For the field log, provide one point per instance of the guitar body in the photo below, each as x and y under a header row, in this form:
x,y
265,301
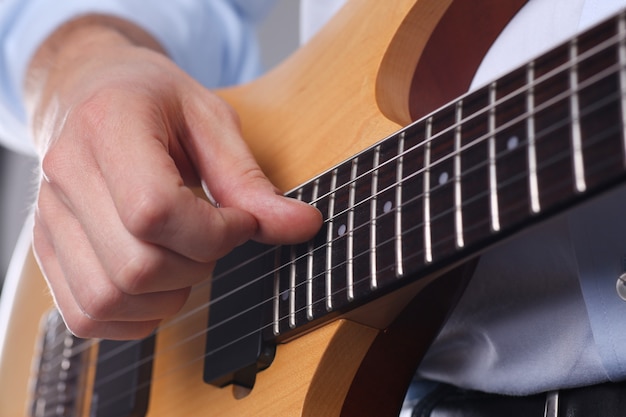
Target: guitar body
x,y
374,68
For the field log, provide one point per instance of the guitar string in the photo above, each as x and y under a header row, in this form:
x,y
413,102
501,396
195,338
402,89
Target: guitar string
x,y
563,155
467,146
454,126
479,140
202,356
389,188
477,114
443,159
180,367
384,190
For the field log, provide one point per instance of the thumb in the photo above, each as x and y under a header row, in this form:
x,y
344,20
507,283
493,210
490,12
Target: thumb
x,y
280,219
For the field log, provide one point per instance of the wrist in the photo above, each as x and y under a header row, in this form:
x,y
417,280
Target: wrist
x,y
72,48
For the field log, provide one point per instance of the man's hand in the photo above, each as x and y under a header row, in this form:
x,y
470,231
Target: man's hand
x,y
123,133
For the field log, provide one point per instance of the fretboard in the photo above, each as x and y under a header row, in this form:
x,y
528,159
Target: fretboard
x,y
496,160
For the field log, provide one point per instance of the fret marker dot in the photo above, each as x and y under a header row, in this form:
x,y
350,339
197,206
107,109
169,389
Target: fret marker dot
x,y
443,178
284,295
342,230
512,143
387,206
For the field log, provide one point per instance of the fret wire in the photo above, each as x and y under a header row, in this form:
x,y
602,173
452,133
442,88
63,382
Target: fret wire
x,y
387,267
428,252
382,243
579,166
292,287
292,278
329,243
458,211
276,326
350,236
309,266
533,181
493,177
373,203
622,74
491,110
388,188
398,210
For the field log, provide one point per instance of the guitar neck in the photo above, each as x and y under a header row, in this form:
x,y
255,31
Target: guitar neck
x,y
524,147
485,165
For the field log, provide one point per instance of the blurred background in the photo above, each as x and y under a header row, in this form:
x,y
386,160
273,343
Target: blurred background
x,y
279,37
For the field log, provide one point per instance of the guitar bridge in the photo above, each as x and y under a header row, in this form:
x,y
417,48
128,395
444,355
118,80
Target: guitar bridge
x,y
61,370
76,377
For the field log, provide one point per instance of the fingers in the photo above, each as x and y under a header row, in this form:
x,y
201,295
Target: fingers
x,y
235,179
76,319
106,281
154,205
134,266
141,164
120,236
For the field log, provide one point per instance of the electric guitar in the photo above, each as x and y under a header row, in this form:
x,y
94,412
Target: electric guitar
x,y
336,326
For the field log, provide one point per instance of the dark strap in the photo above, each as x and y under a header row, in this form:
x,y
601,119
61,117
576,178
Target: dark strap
x,y
604,400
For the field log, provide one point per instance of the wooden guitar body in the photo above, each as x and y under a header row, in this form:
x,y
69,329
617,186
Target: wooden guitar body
x,y
376,67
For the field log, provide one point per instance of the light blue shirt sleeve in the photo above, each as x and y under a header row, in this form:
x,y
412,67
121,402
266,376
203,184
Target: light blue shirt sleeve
x,y
212,40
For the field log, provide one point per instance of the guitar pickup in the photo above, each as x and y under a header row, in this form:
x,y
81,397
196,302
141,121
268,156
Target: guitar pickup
x,y
238,341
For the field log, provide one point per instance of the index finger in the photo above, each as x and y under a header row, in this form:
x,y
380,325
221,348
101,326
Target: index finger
x,y
152,199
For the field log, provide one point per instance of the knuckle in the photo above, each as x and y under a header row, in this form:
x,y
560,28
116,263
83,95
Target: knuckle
x,y
254,175
55,166
135,275
227,112
81,326
88,117
91,115
173,301
101,306
144,214
198,107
